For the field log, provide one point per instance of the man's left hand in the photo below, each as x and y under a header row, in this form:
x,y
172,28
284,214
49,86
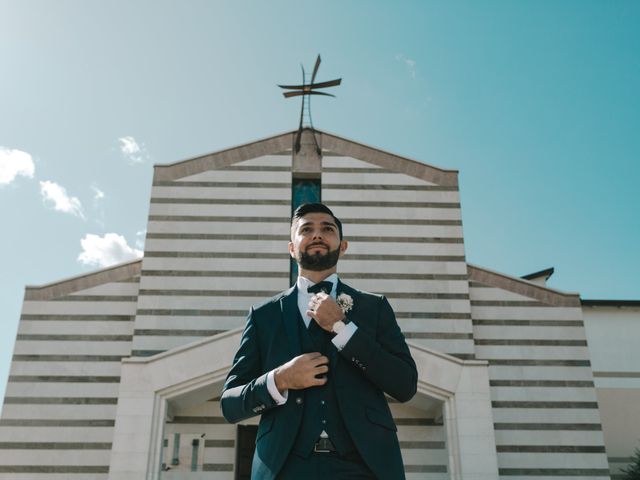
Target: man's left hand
x,y
325,311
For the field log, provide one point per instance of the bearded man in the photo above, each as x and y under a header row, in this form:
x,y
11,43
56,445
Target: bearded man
x,y
315,362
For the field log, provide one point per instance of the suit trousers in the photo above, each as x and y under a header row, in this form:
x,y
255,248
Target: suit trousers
x,y
325,466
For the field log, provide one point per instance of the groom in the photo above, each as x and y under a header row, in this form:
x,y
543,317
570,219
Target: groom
x,y
315,361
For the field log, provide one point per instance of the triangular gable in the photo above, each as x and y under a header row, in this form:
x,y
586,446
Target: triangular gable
x,y
116,273
522,287
283,143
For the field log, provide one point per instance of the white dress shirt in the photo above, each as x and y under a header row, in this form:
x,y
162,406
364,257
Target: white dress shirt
x,y
340,340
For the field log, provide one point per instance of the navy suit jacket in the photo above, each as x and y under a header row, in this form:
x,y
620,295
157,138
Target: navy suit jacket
x,y
375,361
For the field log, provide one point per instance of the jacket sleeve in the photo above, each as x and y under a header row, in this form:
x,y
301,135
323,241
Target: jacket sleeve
x,y
245,392
385,360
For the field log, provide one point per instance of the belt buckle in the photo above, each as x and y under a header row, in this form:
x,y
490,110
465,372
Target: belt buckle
x,y
323,445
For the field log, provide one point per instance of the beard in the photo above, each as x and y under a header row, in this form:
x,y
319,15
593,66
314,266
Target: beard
x,y
318,262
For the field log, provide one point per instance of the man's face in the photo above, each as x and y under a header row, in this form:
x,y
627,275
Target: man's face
x,y
315,242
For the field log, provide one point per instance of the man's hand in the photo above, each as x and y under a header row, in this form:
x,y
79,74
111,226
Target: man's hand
x,y
300,372
325,311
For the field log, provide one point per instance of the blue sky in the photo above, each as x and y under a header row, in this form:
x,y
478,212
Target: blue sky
x,y
536,103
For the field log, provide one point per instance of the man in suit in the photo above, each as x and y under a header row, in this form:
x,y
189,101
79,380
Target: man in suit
x,y
315,361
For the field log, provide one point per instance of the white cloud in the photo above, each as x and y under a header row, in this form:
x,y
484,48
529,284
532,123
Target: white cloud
x,y
14,163
409,62
132,150
140,237
107,250
56,196
97,193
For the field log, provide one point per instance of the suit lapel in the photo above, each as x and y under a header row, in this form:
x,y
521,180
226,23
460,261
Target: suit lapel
x,y
342,288
354,294
289,308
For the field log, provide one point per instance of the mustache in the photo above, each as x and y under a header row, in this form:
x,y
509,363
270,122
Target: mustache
x,y
317,244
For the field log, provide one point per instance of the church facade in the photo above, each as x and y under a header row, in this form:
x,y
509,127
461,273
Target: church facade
x,y
117,374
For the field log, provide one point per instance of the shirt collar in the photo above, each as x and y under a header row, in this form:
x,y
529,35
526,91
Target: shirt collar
x,y
303,283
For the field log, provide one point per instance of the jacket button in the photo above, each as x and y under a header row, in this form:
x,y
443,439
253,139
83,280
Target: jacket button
x,y
298,400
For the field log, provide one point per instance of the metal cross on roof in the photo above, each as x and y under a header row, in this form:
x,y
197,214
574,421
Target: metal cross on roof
x,y
305,90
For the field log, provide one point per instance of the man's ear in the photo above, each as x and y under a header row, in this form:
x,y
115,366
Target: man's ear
x,y
343,247
291,252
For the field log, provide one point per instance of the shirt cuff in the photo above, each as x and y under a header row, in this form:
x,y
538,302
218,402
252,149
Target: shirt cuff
x,y
341,339
279,398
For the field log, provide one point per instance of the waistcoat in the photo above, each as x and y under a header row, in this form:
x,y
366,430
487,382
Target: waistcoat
x,y
321,411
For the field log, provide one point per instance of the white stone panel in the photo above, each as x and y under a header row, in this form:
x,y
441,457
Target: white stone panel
x,y
547,394
373,229
66,368
227,246
108,289
531,352
548,437
215,283
402,266
346,162
230,192
50,476
76,348
546,415
497,294
144,342
613,336
409,286
357,247
56,457
357,178
497,372
428,305
218,264
528,332
374,194
56,434
612,382
190,323
266,161
400,213
443,345
60,389
75,327
263,228
78,307
435,325
257,210
552,460
526,313
178,302
239,176
57,412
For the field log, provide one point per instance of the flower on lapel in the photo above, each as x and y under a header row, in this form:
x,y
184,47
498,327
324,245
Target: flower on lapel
x,y
345,302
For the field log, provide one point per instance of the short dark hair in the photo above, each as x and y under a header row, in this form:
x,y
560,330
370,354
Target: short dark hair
x,y
306,208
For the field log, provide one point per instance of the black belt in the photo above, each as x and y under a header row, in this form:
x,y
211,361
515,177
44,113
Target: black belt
x,y
324,445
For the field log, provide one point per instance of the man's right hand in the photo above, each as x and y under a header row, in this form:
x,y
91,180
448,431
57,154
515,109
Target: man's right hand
x,y
300,372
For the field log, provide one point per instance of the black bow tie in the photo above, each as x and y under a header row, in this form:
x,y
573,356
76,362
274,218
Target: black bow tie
x,y
321,287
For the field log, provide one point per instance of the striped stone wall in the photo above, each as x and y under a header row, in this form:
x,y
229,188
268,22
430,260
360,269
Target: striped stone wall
x,y
216,244
59,409
406,242
545,408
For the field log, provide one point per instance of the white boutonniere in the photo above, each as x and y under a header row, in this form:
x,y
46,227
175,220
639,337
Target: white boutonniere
x,y
345,302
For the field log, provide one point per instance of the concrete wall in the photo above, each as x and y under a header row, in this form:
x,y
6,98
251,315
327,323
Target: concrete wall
x,y
61,397
613,334
216,244
545,408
